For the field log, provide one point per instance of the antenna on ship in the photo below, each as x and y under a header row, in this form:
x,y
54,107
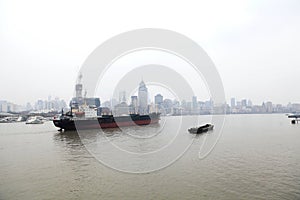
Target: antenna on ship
x,y
85,93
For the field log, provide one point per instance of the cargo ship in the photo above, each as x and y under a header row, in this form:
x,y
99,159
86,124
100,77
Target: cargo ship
x,y
69,122
84,115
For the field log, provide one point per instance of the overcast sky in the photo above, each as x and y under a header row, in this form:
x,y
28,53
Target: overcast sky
x,y
255,45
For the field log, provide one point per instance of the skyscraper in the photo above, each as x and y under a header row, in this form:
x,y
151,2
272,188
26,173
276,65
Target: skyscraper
x,y
78,87
269,107
134,104
77,100
194,103
232,103
249,103
143,98
244,103
158,99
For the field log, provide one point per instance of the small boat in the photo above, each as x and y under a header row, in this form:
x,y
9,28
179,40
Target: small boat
x,y
34,120
294,118
21,119
5,120
8,120
201,129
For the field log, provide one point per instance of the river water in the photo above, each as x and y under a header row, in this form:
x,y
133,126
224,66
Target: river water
x,y
256,157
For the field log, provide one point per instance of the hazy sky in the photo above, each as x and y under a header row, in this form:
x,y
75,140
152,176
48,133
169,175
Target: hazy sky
x,y
255,45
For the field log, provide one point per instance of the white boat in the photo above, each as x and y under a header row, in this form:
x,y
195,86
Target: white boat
x,y
21,119
34,120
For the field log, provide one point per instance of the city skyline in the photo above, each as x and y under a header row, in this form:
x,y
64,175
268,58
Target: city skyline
x,y
58,103
152,100
254,45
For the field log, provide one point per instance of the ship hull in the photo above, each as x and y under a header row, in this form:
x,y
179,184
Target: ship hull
x,y
104,122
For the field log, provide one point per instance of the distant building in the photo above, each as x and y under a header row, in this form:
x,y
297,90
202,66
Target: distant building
x,y
107,104
28,107
121,109
188,108
113,102
95,102
269,107
183,104
143,98
78,100
122,96
278,108
194,104
232,102
295,107
78,89
244,103
158,99
133,105
3,106
238,104
176,103
167,106
209,104
39,105
48,105
250,103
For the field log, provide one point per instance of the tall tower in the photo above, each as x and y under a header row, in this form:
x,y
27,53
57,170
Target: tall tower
x,y
78,87
77,100
143,98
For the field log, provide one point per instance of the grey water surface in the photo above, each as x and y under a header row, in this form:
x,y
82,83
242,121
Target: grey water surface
x,y
256,157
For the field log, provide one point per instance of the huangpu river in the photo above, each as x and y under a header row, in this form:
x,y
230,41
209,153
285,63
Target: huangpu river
x,y
255,157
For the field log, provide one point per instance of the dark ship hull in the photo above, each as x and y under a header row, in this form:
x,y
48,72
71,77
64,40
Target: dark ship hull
x,y
106,121
202,129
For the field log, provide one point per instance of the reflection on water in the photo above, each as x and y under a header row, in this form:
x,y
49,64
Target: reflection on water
x,y
69,138
257,157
